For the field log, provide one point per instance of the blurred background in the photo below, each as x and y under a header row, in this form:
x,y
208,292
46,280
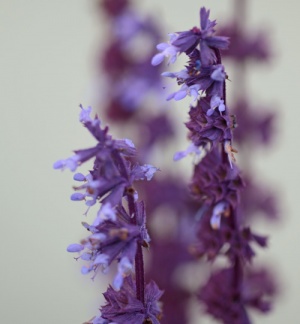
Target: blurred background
x,y
48,67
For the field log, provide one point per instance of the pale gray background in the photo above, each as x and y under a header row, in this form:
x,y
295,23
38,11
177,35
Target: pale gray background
x,y
47,55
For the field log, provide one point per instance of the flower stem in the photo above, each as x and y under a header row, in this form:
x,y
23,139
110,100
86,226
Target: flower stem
x,y
237,273
139,274
139,262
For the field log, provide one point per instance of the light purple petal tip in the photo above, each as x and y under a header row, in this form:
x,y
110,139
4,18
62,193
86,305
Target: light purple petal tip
x,y
149,171
180,95
168,75
215,221
85,270
210,112
77,196
75,248
79,177
129,142
170,96
58,164
101,259
218,74
221,107
118,282
179,155
84,115
86,256
157,59
162,46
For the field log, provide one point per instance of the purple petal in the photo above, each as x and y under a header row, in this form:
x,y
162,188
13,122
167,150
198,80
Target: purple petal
x,y
210,112
157,59
84,115
101,259
170,96
221,107
77,196
220,42
180,95
149,171
215,221
169,75
179,155
86,256
204,14
162,46
75,247
79,177
58,164
218,74
85,270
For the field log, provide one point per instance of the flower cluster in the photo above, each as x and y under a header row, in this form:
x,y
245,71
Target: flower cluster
x,y
227,303
203,72
124,307
217,184
204,76
119,231
217,187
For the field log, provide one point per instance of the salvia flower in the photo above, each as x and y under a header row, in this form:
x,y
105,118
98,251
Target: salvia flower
x,y
208,127
119,230
215,181
221,227
203,76
123,307
220,238
114,240
111,175
167,51
203,72
229,305
187,41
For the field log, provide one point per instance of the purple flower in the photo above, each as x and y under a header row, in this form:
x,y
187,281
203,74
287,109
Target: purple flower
x,y
216,185
214,181
111,174
123,307
208,126
228,303
117,233
209,42
211,79
185,91
114,239
189,40
216,102
167,50
225,240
